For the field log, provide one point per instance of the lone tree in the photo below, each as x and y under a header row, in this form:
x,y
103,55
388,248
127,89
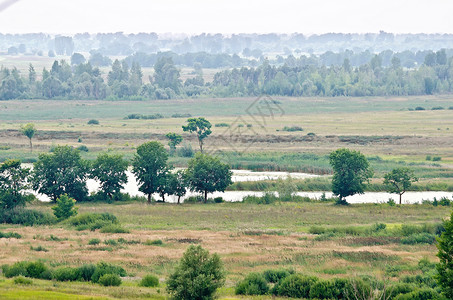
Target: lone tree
x,y
177,184
207,174
29,131
150,167
445,266
174,140
399,180
13,182
201,127
351,171
110,171
61,172
197,276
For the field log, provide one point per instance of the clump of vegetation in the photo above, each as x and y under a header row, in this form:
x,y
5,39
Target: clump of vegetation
x,y
144,117
154,243
94,241
222,125
28,269
110,280
28,217
22,280
292,128
178,115
445,254
149,281
9,235
65,208
92,221
197,276
252,284
93,122
113,228
39,248
83,148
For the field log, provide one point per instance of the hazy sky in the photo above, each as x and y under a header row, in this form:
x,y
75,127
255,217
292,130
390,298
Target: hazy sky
x,y
226,16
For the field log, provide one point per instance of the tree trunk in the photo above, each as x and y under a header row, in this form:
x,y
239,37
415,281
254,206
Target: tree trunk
x,y
179,198
205,196
31,146
401,194
163,197
201,145
149,198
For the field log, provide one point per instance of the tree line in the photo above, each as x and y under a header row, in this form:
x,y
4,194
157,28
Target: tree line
x,y
295,77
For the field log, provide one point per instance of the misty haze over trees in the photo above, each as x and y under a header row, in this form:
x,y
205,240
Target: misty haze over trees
x,y
381,64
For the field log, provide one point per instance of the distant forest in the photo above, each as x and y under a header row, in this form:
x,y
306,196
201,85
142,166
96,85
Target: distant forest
x,y
266,66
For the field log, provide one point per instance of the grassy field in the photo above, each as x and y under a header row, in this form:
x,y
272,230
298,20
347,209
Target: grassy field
x,y
249,238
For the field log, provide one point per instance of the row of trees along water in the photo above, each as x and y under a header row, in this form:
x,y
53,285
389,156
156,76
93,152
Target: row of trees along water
x,y
304,76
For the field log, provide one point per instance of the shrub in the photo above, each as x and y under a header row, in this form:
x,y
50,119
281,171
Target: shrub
x,y
103,268
422,294
275,276
154,243
9,235
28,269
444,201
437,158
86,272
111,242
292,128
110,280
222,125
149,281
19,268
391,202
400,288
185,150
22,280
218,200
178,115
93,220
438,108
253,284
419,108
39,248
323,289
197,276
65,208
66,274
93,122
294,286
28,217
113,228
419,238
94,241
83,148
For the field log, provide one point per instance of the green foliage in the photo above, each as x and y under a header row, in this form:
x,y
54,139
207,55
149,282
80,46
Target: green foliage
x,y
351,172
252,284
201,127
66,274
399,180
292,128
207,174
28,269
154,243
93,122
419,238
323,289
174,140
421,294
22,280
445,254
83,148
92,221
103,268
150,167
110,172
186,150
9,235
13,183
113,228
29,131
94,241
39,248
65,208
274,276
86,272
28,217
61,172
197,276
149,281
110,280
294,286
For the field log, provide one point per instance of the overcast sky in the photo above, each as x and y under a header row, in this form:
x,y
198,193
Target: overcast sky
x,y
226,16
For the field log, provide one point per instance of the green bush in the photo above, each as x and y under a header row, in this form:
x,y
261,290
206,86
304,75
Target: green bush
x,y
185,150
323,289
422,294
274,276
154,243
93,122
400,288
197,276
86,272
111,242
222,125
83,148
92,221
9,235
292,128
294,286
253,284
66,274
103,268
65,208
28,217
28,269
94,241
22,281
110,280
419,238
149,281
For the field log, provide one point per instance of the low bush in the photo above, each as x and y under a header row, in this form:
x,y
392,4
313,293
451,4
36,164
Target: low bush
x,y
294,286
274,276
421,294
92,221
419,238
323,289
28,217
110,280
67,274
154,243
178,115
94,241
149,281
39,248
86,272
28,269
9,235
111,242
93,122
400,289
103,268
185,150
22,281
253,284
292,128
222,125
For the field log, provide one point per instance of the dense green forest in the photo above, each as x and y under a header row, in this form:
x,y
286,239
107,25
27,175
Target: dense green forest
x,y
383,74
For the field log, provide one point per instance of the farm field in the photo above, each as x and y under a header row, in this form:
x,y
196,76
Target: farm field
x,y
259,237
